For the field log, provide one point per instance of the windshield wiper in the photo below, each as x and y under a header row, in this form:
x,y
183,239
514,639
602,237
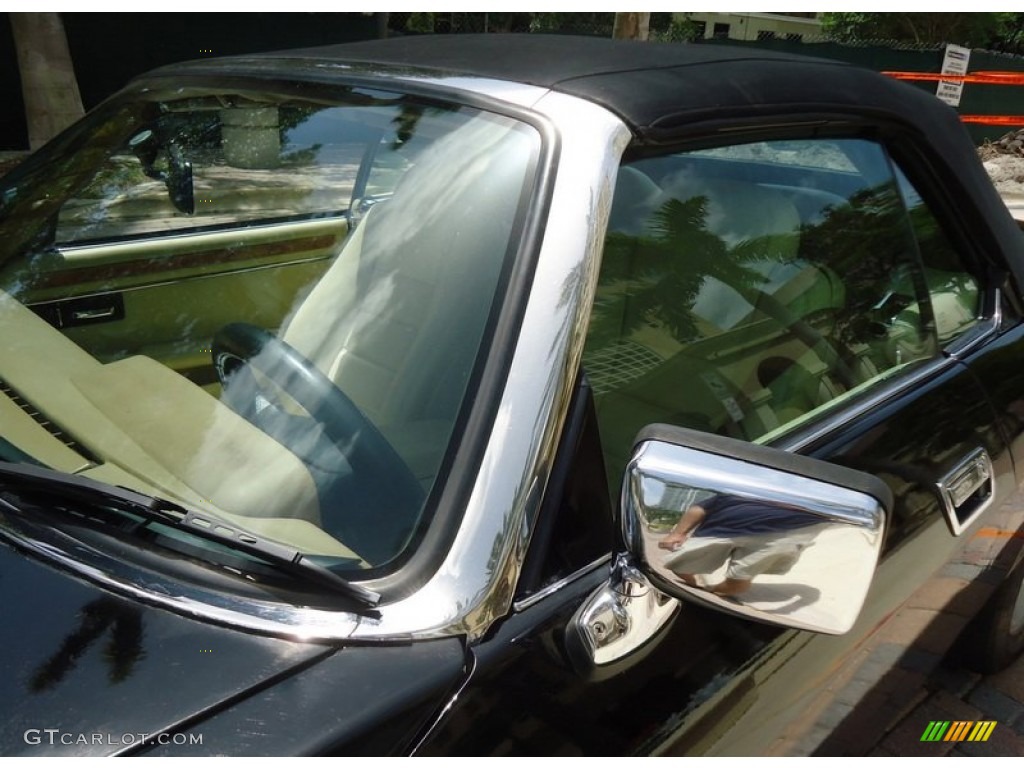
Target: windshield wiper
x,y
156,510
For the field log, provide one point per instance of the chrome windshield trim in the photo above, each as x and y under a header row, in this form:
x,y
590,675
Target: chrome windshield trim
x,y
110,572
517,94
475,583
557,586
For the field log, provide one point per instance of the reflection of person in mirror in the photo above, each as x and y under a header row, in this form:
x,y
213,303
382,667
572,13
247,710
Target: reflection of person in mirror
x,y
751,537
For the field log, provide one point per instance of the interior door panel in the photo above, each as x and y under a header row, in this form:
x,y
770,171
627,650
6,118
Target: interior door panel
x,y
165,297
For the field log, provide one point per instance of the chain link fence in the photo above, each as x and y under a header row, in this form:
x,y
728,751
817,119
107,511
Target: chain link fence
x,y
593,24
664,27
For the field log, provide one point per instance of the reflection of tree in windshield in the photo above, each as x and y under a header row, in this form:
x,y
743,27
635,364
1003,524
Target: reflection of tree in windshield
x,y
33,193
121,653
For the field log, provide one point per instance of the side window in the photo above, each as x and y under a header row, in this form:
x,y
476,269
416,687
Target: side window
x,y
955,294
746,287
217,166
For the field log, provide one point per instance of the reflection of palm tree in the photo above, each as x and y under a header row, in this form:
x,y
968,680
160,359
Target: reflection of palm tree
x,y
660,275
121,653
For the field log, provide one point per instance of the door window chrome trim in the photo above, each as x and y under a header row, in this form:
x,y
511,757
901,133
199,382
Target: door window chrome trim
x,y
987,328
557,586
952,355
800,439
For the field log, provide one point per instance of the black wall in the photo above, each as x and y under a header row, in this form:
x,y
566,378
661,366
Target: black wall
x,y
13,131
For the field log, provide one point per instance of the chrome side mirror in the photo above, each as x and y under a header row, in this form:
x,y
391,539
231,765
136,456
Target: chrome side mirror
x,y
751,530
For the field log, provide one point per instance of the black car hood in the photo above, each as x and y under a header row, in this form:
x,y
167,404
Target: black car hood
x,y
86,672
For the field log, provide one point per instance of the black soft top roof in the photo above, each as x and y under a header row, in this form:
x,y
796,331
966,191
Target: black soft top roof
x,y
654,87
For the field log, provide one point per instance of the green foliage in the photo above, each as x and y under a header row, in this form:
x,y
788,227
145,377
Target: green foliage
x,y
663,26
574,23
670,28
420,22
973,29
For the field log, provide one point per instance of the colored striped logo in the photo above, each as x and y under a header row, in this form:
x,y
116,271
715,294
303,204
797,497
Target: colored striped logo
x,y
958,730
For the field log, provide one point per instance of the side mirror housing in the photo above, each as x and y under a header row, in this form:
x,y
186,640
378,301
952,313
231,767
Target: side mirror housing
x,y
751,530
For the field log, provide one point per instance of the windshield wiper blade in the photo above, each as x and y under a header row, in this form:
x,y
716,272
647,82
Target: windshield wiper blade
x,y
156,510
287,559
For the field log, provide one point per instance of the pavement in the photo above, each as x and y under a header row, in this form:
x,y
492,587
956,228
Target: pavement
x,y
881,696
954,693
916,672
936,683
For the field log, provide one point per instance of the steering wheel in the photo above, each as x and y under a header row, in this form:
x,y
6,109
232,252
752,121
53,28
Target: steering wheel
x,y
380,478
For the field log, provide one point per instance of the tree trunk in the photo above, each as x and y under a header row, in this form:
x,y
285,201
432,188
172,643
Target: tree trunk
x,y
631,26
48,84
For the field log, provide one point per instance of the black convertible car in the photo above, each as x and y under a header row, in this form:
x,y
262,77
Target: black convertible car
x,y
503,395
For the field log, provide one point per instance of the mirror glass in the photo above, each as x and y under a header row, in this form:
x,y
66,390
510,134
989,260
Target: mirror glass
x,y
765,542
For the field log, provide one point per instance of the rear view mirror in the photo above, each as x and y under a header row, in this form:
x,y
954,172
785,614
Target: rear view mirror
x,y
178,176
179,183
751,530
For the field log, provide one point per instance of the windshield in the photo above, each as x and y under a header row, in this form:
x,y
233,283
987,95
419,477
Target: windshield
x,y
263,306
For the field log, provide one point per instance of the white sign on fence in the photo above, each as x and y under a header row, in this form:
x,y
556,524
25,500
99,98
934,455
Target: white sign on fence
x,y
953,63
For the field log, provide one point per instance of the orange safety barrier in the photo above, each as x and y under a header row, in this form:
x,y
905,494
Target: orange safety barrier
x,y
993,119
981,77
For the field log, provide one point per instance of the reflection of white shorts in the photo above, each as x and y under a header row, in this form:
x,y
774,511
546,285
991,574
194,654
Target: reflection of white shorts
x,y
747,556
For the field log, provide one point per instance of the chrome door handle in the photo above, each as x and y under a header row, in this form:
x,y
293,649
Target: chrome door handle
x,y
94,314
967,490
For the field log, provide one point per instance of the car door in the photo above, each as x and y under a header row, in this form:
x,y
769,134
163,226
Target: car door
x,y
801,293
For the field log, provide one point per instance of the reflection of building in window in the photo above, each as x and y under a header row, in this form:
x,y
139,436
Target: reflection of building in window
x,y
614,366
794,27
